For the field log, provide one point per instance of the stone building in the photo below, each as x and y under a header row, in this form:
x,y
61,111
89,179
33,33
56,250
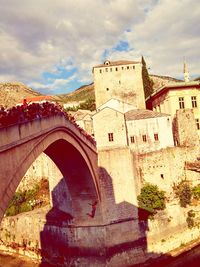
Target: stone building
x,y
121,80
139,129
175,96
84,120
136,145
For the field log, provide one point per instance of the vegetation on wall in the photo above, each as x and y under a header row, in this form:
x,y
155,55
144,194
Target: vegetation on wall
x,y
196,192
190,219
147,81
184,192
24,201
151,198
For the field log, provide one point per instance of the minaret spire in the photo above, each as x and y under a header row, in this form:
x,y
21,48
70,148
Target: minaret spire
x,y
186,72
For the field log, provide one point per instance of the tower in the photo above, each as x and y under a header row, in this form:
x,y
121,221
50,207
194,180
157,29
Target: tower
x,y
186,73
121,80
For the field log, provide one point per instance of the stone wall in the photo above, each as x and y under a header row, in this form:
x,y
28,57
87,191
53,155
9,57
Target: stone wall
x,y
117,184
118,244
185,128
165,167
169,230
42,167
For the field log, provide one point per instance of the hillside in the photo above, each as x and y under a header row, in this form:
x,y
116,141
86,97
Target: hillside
x,y
197,79
87,91
14,92
159,81
81,94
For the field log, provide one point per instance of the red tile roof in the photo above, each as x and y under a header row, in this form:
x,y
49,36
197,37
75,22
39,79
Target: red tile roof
x,y
38,98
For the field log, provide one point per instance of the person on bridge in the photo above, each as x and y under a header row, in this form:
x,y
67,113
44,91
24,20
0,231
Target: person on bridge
x,y
94,206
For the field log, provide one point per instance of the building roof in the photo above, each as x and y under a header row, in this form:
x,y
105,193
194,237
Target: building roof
x,y
139,114
81,113
38,98
174,86
108,63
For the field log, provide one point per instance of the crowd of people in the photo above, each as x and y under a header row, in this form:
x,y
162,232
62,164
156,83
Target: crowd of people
x,y
31,111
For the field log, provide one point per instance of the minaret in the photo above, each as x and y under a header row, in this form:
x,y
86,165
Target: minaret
x,y
186,73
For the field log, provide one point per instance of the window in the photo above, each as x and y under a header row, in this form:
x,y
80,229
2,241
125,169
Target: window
x,y
197,124
127,67
110,69
100,71
194,101
162,175
156,137
181,102
132,139
133,67
116,69
122,68
119,82
107,89
110,137
144,138
106,69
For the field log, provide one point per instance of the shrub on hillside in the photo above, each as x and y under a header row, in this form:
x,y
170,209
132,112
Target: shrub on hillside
x,y
196,192
184,193
151,198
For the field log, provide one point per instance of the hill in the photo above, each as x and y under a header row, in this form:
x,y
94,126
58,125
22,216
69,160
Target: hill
x,y
81,94
197,79
159,81
14,92
87,91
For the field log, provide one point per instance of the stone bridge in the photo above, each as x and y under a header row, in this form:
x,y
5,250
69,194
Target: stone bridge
x,y
73,153
113,237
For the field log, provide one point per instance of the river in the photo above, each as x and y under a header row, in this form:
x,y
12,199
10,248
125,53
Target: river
x,y
190,258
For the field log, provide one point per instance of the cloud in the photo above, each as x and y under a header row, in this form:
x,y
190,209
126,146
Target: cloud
x,y
53,85
37,37
167,35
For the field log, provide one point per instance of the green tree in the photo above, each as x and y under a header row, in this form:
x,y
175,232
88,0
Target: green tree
x,y
147,82
151,198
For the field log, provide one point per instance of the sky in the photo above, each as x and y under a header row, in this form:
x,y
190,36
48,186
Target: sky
x,y
52,46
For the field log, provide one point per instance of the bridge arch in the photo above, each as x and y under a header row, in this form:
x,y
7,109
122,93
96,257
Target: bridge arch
x,y
63,143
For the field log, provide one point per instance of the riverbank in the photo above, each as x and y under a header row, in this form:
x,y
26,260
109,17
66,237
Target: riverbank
x,y
188,255
184,256
16,260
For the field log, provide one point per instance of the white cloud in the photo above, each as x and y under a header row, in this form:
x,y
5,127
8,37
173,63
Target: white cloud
x,y
169,33
53,85
38,36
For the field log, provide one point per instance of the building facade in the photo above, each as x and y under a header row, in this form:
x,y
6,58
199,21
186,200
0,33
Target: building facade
x,y
173,97
138,129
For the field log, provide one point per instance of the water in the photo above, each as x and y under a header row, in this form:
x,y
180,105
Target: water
x,y
190,258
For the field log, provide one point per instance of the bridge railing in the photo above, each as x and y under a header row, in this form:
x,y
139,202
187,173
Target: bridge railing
x,y
16,121
18,133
